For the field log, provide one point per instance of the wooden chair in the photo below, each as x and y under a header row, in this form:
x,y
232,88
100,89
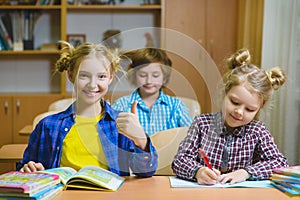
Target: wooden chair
x,y
41,116
61,104
192,104
166,143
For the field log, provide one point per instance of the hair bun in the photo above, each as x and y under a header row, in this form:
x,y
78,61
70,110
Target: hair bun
x,y
240,58
276,76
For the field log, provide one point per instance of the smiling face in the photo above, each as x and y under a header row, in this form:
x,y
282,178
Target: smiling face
x,y
240,106
92,81
149,79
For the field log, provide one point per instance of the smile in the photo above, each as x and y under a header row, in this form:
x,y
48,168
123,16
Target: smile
x,y
235,118
91,93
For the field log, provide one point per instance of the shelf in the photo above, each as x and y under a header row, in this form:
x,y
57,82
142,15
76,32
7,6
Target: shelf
x,y
112,7
29,52
55,22
82,7
30,7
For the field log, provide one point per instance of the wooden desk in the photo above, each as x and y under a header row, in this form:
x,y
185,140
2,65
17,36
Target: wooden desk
x,y
12,152
26,130
158,187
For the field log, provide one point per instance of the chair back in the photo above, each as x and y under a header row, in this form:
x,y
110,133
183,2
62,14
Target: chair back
x,y
166,143
192,104
61,104
41,116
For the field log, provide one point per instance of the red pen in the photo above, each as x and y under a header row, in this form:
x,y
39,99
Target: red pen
x,y
205,158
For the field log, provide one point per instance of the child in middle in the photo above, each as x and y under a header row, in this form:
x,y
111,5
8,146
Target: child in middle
x,y
149,72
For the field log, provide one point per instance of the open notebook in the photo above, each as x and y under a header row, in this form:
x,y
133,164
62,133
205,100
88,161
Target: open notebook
x,y
180,183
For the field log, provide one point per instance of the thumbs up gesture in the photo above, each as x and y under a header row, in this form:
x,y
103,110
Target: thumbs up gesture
x,y
128,124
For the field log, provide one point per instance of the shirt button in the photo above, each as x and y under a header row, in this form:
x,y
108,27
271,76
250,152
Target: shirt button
x,y
66,129
151,165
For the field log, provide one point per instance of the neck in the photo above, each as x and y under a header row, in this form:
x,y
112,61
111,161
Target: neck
x,y
149,99
88,110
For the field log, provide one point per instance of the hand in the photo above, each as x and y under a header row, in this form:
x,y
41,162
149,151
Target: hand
x,y
234,177
129,125
206,176
32,167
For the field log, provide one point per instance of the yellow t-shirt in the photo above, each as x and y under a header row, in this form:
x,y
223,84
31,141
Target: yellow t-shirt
x,y
82,145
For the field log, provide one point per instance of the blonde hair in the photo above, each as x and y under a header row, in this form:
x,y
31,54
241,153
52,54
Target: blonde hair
x,y
262,82
141,57
71,58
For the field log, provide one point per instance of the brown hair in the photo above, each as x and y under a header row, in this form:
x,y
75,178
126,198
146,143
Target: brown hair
x,y
141,57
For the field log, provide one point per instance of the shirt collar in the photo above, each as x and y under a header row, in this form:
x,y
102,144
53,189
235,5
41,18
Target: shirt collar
x,y
162,99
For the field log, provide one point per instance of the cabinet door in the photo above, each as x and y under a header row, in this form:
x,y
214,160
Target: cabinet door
x,y
189,19
221,30
25,108
5,120
6,128
211,23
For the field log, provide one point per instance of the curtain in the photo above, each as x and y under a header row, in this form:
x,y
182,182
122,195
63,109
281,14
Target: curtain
x,y
250,25
281,47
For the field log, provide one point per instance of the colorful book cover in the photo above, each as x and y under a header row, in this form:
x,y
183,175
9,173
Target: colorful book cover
x,y
293,186
45,194
289,171
284,178
288,191
30,183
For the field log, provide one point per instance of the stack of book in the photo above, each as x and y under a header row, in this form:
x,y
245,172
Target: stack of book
x,y
37,186
287,180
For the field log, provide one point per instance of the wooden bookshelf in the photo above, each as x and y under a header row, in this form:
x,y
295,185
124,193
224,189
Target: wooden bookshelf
x,y
63,10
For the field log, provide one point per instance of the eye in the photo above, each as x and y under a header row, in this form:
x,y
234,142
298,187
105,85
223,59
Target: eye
x,y
83,75
156,75
102,76
142,75
234,102
250,110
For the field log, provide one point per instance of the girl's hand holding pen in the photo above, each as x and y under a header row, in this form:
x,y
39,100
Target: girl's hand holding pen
x,y
206,176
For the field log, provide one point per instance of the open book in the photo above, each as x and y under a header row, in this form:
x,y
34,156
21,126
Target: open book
x,y
180,183
89,177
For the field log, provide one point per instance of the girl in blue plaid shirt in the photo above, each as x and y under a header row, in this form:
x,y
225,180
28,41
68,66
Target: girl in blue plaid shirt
x,y
86,133
238,146
149,72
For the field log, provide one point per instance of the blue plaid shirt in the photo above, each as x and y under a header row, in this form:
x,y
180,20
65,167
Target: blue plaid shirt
x,y
45,144
167,112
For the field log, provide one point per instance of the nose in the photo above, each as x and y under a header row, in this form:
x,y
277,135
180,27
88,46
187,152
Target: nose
x,y
92,83
238,110
149,79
